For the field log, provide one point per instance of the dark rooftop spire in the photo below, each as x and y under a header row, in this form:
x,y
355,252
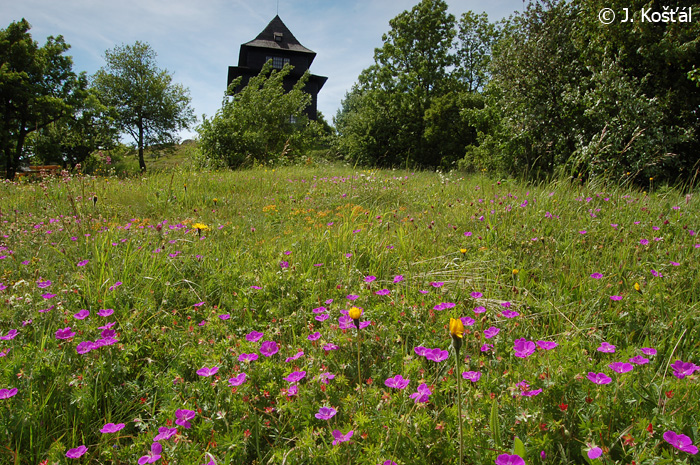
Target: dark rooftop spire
x,y
277,35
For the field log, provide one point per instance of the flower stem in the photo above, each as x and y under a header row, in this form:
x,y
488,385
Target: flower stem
x,y
359,373
459,404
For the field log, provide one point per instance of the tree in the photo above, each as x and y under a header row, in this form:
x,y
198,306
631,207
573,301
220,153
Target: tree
x,y
260,122
410,71
146,104
476,37
37,88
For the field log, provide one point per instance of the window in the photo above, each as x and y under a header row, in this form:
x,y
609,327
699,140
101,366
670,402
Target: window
x,y
277,62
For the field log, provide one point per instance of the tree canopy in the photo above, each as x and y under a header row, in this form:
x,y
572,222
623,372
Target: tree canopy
x,y
260,123
37,87
146,104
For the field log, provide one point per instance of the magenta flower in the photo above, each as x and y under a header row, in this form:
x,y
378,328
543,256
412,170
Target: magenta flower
x,y
64,333
253,336
105,312
422,394
531,393
352,297
472,376
85,347
680,442
510,313
594,453
639,360
165,433
115,285
225,316
322,317
198,304
326,413
320,310
398,278
112,428
616,297
295,376
621,367
479,309
284,265
596,275
648,351
369,279
506,459
546,345
293,390
48,296
43,284
7,393
206,372
294,357
339,437
247,358
237,380
466,321
11,334
314,336
183,416
437,284
83,262
269,348
644,241
683,369
329,347
383,292
599,378
397,382
486,347
76,452
325,377
437,355
476,295
656,274
606,348
491,332
506,304
523,348
153,454
81,315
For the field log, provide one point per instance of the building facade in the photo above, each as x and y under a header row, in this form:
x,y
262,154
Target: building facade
x,y
278,44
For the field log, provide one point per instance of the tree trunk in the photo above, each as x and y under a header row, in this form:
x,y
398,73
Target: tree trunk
x,y
142,162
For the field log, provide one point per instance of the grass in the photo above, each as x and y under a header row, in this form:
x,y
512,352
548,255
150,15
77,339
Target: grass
x,y
193,262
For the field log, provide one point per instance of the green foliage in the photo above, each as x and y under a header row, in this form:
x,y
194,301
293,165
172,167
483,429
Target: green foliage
x,y
263,123
143,100
37,89
610,101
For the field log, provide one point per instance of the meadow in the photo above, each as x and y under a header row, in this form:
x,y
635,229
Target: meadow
x,y
307,315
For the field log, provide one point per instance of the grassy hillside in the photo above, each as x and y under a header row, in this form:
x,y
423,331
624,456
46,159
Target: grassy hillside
x,y
207,312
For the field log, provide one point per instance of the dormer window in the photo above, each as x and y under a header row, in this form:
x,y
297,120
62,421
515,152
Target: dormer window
x,y
278,36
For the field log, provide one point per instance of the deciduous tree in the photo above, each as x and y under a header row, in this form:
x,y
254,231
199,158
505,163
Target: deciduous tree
x,y
146,103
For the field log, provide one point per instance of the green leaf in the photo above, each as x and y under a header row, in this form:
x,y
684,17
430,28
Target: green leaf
x,y
519,448
495,424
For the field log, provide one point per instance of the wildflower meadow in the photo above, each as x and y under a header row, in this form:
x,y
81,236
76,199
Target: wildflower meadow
x,y
328,315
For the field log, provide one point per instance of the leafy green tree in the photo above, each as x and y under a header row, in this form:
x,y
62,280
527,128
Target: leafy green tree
x,y
410,71
73,138
37,88
146,104
476,37
261,123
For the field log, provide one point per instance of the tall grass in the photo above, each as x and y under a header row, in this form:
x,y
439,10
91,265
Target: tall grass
x,y
279,244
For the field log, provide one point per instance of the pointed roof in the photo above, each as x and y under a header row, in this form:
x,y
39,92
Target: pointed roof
x,y
277,35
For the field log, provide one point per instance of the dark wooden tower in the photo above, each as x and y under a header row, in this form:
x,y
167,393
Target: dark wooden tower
x,y
278,44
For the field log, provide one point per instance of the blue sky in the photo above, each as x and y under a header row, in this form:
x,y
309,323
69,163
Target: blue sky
x,y
198,40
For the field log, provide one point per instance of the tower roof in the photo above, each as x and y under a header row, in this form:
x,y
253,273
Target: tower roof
x,y
277,36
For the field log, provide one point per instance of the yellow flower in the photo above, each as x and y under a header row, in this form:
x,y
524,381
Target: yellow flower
x,y
463,251
355,313
200,227
456,328
516,271
637,287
